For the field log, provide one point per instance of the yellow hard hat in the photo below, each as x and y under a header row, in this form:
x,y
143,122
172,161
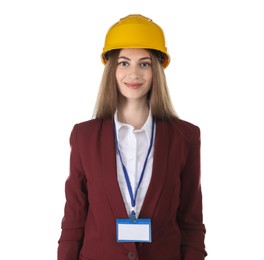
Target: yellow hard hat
x,y
136,31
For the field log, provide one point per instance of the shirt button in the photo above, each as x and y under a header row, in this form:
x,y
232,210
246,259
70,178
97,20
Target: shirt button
x,y
131,256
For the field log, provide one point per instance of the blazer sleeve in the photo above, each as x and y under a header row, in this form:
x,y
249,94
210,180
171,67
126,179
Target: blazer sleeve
x,y
76,206
190,217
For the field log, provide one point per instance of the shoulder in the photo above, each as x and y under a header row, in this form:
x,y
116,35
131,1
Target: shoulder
x,y
182,128
185,126
87,127
89,124
92,127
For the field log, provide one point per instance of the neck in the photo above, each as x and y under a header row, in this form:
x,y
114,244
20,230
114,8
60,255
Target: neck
x,y
134,113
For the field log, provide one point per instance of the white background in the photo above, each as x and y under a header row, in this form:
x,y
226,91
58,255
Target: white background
x,y
50,70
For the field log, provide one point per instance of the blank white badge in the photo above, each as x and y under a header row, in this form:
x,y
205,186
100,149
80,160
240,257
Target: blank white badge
x,y
133,231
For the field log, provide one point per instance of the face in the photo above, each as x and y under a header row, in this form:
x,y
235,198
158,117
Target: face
x,y
134,73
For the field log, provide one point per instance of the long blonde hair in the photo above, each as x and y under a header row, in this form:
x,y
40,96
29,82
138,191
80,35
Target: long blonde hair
x,y
158,97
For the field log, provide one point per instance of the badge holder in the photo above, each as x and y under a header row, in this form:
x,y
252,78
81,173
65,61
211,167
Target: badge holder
x,y
133,231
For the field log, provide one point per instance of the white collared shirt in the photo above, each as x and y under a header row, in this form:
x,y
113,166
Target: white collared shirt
x,y
133,146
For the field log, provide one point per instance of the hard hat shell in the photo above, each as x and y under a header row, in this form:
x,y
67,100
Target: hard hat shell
x,y
136,31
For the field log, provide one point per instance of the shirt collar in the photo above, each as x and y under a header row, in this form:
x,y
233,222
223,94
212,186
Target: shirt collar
x,y
147,127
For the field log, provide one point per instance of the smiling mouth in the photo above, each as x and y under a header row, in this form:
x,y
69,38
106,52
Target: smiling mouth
x,y
133,85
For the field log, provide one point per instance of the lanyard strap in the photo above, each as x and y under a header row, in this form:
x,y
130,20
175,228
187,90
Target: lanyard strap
x,y
132,197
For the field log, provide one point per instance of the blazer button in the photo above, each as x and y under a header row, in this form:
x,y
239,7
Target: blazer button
x,y
131,256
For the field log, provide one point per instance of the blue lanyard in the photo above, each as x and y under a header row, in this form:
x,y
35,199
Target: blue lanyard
x,y
132,215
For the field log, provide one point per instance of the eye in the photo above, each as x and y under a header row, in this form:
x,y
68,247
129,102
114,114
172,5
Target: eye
x,y
123,63
145,64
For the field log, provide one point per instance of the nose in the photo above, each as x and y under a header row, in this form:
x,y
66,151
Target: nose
x,y
134,72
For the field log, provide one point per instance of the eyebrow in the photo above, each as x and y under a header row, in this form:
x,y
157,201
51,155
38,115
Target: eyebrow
x,y
126,58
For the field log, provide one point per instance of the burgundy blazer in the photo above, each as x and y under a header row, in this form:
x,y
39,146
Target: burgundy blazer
x,y
94,201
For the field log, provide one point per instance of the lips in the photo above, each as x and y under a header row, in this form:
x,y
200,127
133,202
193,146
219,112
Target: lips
x,y
133,85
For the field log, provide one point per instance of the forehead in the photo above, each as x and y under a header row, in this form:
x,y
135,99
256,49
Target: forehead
x,y
134,53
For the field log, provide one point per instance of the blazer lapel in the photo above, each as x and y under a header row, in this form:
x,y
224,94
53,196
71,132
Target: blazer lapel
x,y
110,181
159,170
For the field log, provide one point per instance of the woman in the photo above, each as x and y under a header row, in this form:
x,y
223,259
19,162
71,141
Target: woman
x,y
134,186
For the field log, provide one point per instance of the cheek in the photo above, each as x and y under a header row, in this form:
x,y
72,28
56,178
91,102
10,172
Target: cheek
x,y
150,80
119,76
118,80
149,75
